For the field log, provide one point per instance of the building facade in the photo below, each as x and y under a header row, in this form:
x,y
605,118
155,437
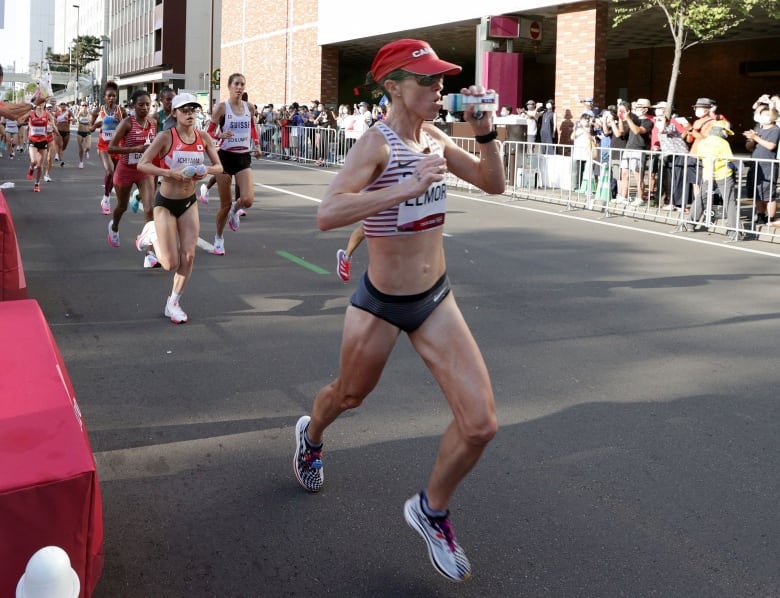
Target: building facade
x,y
294,51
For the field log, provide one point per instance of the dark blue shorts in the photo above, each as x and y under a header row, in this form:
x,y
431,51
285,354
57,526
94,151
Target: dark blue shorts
x,y
407,312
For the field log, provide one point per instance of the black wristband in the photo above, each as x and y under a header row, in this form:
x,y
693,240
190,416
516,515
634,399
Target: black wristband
x,y
486,138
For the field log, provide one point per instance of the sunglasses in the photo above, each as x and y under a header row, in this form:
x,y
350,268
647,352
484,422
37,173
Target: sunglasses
x,y
428,80
187,109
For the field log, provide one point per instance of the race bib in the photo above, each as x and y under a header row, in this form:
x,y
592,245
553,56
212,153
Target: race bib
x,y
37,131
424,212
134,158
106,135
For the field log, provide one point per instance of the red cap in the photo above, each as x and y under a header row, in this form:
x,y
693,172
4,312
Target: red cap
x,y
412,55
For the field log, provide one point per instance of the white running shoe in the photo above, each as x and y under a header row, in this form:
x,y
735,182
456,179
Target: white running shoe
x,y
203,194
46,178
241,213
219,246
233,220
81,164
86,154
174,312
445,553
151,261
147,237
113,236
105,205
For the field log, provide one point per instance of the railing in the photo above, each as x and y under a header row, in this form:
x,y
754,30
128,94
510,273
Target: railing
x,y
671,188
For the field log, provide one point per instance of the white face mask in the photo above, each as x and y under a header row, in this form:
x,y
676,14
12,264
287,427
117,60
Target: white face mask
x,y
764,119
548,105
659,112
701,112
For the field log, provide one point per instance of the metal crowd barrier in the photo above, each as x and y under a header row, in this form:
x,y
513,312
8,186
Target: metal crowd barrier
x,y
554,173
675,191
317,145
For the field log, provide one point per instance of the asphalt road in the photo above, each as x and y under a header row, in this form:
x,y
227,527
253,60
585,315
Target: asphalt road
x,y
634,371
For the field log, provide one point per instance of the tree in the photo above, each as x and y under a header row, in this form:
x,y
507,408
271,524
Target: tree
x,y
58,62
85,49
692,22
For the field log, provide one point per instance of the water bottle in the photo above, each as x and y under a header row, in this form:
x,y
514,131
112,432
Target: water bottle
x,y
189,171
458,102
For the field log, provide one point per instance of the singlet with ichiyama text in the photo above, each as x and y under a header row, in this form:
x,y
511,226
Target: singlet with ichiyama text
x,y
415,215
183,154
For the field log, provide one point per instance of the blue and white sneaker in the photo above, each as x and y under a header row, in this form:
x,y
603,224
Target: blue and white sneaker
x,y
307,463
135,202
444,551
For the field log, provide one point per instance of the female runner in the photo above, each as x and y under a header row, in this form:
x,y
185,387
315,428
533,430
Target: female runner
x,y
107,118
38,122
235,119
131,138
11,136
393,180
176,226
84,131
64,118
54,140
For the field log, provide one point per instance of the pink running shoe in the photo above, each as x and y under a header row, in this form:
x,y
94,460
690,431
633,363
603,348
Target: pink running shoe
x,y
343,265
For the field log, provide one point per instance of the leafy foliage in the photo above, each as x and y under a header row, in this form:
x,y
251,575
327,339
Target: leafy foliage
x,y
695,21
86,49
692,22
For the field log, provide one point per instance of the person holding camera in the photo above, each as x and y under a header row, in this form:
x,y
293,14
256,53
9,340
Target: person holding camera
x,y
531,120
638,142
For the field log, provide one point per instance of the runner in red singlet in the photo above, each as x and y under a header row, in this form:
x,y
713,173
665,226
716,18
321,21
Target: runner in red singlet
x,y
38,122
133,135
174,231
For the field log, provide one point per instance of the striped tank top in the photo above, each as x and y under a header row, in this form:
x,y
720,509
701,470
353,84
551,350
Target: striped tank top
x,y
419,214
137,135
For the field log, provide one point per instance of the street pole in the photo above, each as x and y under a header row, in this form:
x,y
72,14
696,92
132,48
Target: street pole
x,y
211,57
78,57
